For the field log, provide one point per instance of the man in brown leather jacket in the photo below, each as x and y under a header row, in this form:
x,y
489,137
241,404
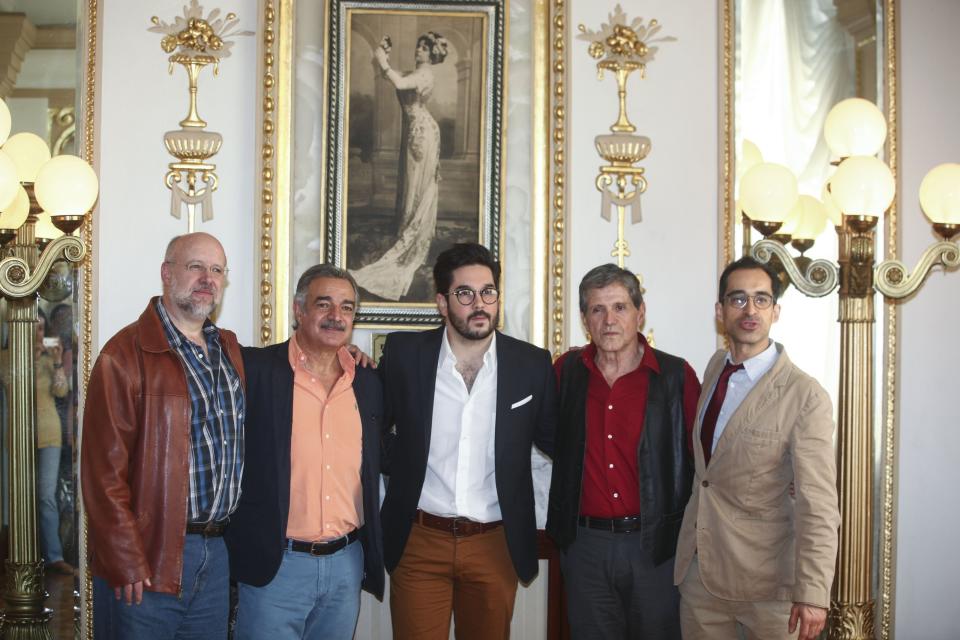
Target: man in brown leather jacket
x,y
162,457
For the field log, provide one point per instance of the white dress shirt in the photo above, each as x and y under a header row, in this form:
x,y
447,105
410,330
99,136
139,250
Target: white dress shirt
x,y
740,385
460,478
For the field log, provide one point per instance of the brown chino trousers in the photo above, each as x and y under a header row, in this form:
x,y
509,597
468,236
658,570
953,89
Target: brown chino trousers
x,y
471,576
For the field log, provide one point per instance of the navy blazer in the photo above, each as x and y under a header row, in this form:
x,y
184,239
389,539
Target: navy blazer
x,y
257,531
526,414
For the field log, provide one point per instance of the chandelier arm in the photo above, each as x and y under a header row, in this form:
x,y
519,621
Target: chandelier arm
x,y
893,280
819,278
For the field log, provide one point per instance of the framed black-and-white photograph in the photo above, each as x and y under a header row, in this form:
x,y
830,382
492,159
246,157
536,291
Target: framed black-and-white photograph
x,y
413,149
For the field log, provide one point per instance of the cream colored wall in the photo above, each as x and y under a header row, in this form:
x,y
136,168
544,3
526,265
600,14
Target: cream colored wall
x,y
138,102
928,565
676,106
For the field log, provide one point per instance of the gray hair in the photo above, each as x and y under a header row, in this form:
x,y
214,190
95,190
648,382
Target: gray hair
x,y
322,271
604,276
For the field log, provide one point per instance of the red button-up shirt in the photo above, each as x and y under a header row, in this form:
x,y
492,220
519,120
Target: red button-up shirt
x,y
611,485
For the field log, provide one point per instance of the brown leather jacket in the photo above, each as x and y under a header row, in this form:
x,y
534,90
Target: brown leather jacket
x,y
134,455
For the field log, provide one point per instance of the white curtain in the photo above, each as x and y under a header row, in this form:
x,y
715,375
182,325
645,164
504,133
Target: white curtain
x,y
795,61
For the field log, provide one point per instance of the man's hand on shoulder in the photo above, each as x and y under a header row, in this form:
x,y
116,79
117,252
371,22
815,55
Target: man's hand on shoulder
x,y
812,620
360,357
132,593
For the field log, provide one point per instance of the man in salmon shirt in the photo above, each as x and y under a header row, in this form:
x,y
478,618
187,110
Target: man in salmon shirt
x,y
306,535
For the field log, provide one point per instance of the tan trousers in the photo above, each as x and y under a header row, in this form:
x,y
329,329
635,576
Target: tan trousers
x,y
473,577
704,616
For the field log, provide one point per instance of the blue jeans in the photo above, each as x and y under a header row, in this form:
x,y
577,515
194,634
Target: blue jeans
x,y
311,597
200,611
48,472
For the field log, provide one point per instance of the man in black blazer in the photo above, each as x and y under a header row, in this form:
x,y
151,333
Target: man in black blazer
x,y
466,403
307,531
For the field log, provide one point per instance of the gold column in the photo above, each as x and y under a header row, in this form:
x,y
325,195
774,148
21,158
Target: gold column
x,y
852,603
23,591
21,274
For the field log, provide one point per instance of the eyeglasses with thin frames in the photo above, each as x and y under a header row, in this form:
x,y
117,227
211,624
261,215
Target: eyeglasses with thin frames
x,y
739,300
466,295
197,268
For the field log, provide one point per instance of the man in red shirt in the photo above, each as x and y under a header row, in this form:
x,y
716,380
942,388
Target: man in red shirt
x,y
622,467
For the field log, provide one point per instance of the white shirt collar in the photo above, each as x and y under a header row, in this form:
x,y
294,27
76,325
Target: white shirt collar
x,y
447,355
759,364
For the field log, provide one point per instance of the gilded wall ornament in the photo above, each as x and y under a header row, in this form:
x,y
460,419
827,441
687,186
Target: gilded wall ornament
x,y
195,41
622,46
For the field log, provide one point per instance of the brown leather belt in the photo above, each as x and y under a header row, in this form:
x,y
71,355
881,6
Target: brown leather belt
x,y
615,525
324,548
208,529
459,527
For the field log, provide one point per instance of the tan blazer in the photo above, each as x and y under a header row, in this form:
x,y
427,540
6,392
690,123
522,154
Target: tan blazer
x,y
754,542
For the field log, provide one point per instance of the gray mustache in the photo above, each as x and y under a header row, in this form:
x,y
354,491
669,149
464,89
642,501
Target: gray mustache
x,y
333,324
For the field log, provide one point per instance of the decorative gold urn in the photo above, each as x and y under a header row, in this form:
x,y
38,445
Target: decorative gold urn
x,y
622,46
195,42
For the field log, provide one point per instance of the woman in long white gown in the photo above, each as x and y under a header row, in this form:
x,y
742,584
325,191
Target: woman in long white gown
x,y
418,177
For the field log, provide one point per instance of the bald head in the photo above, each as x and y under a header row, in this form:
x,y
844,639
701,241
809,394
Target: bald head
x,y
194,274
187,240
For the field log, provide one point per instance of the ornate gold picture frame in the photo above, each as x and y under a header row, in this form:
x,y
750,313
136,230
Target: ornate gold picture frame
x,y
414,156
290,160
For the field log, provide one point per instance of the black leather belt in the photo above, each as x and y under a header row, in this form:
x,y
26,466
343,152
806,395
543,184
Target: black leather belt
x,y
324,548
629,524
208,529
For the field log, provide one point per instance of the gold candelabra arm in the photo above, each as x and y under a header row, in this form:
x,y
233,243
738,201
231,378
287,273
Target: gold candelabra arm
x,y
17,280
893,280
817,280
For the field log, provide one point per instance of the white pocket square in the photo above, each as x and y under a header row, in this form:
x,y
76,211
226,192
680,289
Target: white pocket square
x,y
520,403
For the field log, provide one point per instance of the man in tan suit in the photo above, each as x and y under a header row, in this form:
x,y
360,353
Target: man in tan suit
x,y
754,556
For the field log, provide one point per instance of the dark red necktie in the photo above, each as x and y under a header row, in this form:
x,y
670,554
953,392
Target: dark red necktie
x,y
713,409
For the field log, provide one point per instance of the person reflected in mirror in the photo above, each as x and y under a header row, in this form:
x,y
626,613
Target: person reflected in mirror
x,y
758,544
622,467
466,403
61,326
306,535
51,384
418,176
162,457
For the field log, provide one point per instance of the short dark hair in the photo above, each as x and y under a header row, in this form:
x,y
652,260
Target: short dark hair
x,y
749,262
605,275
322,271
462,254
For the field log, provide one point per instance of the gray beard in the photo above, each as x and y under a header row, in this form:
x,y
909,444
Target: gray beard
x,y
195,309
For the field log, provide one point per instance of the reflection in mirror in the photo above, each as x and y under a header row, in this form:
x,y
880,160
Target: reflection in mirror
x,y
39,72
793,61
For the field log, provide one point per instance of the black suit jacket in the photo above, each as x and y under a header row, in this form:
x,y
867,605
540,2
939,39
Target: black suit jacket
x,y
408,369
255,537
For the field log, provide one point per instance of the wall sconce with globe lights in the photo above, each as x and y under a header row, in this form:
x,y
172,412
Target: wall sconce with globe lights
x,y
857,195
43,200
